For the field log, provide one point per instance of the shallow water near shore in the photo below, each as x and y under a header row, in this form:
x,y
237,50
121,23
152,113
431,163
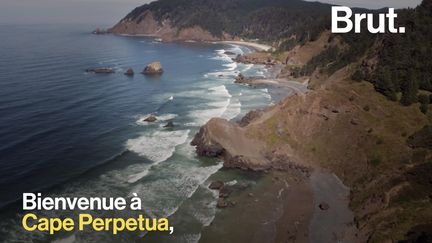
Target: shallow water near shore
x,y
66,132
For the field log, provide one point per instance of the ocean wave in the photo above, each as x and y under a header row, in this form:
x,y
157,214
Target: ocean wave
x,y
228,73
231,66
180,183
233,109
220,91
157,147
220,55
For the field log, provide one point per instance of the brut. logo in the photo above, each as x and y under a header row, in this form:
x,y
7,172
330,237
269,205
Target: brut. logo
x,y
342,15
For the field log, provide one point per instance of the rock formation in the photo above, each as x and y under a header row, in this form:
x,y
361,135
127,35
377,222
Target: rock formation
x,y
151,118
216,185
153,68
100,70
129,72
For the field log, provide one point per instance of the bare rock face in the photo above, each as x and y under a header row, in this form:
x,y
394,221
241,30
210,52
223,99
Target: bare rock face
x,y
153,68
205,146
249,117
226,140
151,118
216,185
129,72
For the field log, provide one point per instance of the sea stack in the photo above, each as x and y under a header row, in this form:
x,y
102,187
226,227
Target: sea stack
x,y
129,72
153,69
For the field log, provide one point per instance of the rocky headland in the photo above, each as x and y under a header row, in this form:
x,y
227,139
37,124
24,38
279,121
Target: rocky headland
x,y
339,120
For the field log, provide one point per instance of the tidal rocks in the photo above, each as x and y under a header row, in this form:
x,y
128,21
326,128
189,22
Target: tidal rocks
x,y
241,79
230,53
129,72
170,124
224,192
103,70
154,68
151,118
216,185
221,203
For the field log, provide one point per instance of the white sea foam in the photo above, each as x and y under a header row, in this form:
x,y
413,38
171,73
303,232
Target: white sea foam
x,y
220,91
236,49
247,67
172,190
158,147
220,55
231,66
266,93
233,110
228,73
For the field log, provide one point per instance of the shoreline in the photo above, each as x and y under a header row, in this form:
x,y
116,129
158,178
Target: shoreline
x,y
295,193
255,46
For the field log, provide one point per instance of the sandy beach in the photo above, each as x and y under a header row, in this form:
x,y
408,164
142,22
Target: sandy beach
x,y
256,46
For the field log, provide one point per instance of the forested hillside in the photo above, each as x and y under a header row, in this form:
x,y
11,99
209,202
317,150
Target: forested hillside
x,y
274,21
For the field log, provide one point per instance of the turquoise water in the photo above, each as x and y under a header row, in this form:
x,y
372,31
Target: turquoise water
x,y
66,132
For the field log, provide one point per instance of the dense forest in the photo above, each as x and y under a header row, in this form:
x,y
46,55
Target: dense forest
x,y
404,69
275,21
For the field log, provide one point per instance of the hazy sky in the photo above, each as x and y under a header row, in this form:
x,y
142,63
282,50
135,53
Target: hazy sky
x,y
374,3
66,11
108,12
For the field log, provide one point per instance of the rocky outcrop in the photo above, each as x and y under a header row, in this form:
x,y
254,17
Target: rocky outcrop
x,y
256,58
153,68
129,72
241,79
249,117
216,185
223,139
102,70
205,146
151,118
146,24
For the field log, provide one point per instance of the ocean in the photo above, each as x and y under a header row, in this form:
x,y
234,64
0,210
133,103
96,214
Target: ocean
x,y
65,132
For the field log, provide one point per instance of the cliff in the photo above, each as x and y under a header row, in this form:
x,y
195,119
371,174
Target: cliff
x,y
360,138
271,21
149,26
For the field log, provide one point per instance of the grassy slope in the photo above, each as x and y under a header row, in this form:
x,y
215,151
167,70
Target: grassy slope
x,y
348,127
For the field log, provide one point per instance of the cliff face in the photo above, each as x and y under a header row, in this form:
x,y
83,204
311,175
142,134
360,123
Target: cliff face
x,y
146,24
226,140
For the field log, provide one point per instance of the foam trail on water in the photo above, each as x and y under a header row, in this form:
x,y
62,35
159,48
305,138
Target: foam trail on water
x,y
220,91
158,147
